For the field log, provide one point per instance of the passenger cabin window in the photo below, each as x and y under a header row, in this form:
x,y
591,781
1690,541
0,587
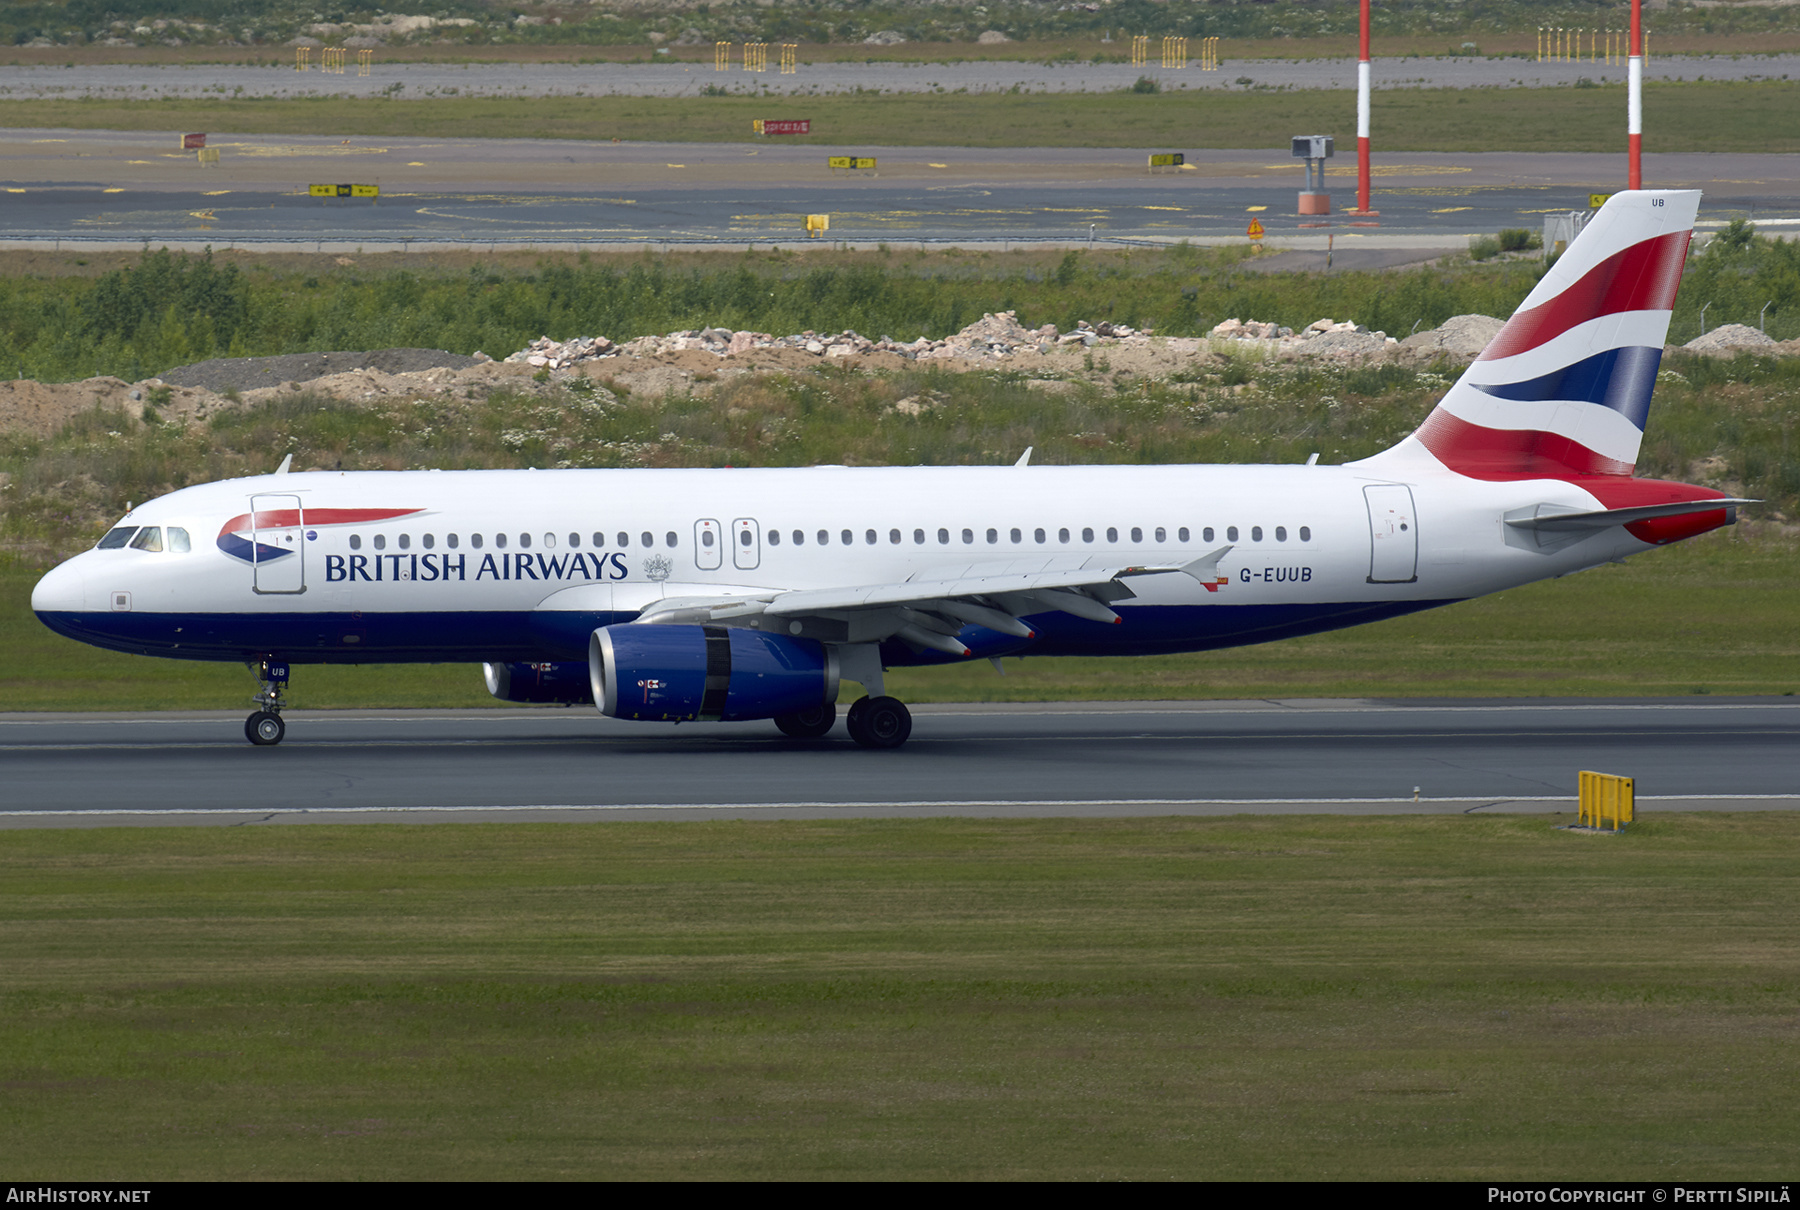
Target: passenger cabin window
x,y
670,537
625,538
405,541
1180,534
869,537
799,537
774,537
1018,537
116,538
943,537
848,537
993,536
525,541
1231,533
918,537
1038,534
1256,533
824,537
148,538
500,541
649,539
1206,535
1281,533
968,537
428,541
894,537
600,539
178,540
475,541
574,540
450,540
381,542
1062,535
355,541
1305,534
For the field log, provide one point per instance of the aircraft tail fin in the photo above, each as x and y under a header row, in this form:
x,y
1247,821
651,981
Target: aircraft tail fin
x,y
1564,388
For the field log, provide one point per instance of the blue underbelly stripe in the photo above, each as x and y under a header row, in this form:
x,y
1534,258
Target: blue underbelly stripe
x,y
531,636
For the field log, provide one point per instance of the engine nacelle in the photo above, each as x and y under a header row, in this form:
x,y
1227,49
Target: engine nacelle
x,y
565,683
680,673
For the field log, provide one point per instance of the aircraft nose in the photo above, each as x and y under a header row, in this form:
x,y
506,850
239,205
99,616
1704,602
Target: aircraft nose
x,y
62,590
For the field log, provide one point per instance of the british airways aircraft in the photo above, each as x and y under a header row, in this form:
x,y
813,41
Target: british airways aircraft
x,y
673,595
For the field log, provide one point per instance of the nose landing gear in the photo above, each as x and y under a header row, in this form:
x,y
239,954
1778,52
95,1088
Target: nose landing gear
x,y
265,728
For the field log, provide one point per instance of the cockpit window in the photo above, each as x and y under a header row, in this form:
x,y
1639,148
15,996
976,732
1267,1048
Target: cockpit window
x,y
178,540
117,538
148,538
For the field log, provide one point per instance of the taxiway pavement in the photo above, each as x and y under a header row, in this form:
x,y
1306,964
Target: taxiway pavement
x,y
1077,759
102,189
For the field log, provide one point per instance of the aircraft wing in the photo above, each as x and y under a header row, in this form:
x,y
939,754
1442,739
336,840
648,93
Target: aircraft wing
x,y
930,608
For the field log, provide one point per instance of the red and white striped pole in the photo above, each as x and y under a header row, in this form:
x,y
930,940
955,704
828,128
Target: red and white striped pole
x,y
1362,113
1634,106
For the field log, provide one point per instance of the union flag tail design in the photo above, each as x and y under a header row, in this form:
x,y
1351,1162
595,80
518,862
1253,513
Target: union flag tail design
x,y
1565,387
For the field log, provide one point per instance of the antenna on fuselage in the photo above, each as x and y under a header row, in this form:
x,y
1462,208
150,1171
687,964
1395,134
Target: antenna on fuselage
x,y
1023,459
285,463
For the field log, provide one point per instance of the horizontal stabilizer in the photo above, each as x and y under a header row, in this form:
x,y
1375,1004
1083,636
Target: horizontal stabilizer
x,y
1559,519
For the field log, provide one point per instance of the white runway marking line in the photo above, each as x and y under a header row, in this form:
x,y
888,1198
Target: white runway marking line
x,y
1481,800
737,741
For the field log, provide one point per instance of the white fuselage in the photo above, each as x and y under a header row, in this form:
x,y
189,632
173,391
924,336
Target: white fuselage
x,y
491,565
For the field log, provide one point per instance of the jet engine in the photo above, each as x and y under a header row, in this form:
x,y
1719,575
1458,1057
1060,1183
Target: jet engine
x,y
680,673
564,682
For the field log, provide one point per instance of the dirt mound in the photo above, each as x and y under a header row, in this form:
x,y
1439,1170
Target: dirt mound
x,y
1728,338
251,373
1462,336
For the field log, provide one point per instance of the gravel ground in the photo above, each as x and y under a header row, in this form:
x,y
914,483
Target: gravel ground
x,y
250,373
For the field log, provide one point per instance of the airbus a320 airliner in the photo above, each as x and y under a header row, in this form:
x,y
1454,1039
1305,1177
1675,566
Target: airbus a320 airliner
x,y
673,595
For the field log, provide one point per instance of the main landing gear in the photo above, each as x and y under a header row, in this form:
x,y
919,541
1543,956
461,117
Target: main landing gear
x,y
879,722
808,724
265,728
873,722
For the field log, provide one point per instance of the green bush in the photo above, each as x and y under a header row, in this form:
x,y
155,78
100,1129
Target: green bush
x,y
1146,84
1517,239
1484,247
169,310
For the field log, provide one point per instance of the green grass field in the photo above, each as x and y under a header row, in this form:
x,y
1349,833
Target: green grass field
x,y
1445,997
1709,116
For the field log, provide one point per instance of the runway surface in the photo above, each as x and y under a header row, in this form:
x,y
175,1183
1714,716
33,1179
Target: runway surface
x,y
423,81
1092,759
112,189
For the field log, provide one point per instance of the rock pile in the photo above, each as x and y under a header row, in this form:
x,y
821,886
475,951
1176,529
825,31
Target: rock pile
x,y
1728,338
1321,338
1461,336
990,338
